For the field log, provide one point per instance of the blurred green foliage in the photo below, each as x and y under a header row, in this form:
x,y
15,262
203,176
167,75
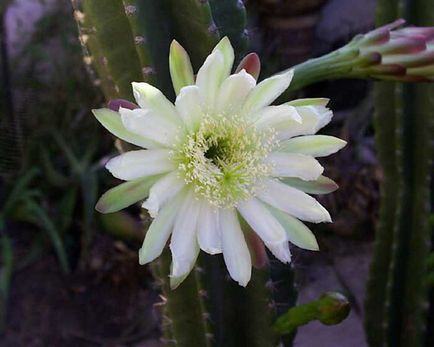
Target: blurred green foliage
x,y
54,185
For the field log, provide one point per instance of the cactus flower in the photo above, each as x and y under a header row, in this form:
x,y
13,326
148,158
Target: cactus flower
x,y
220,163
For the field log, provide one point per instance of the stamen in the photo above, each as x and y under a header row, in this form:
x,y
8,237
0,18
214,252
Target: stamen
x,y
224,159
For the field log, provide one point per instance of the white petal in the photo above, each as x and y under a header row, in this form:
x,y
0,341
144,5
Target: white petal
x,y
235,251
209,232
295,165
225,47
297,233
162,191
183,243
151,99
313,119
233,92
293,202
149,126
209,79
175,281
276,117
159,231
189,106
267,91
314,145
281,251
267,227
111,120
136,164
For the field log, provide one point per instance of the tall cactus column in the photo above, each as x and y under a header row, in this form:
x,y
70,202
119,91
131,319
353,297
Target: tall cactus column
x,y
396,297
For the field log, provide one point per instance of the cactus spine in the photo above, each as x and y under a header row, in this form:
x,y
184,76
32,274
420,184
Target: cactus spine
x,y
108,37
185,320
396,294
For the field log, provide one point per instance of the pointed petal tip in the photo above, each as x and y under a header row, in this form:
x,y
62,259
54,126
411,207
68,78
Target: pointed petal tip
x,y
111,163
243,284
151,206
142,257
251,63
212,251
175,282
175,43
101,207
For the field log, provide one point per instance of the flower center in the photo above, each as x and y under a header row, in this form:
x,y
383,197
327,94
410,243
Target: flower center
x,y
224,159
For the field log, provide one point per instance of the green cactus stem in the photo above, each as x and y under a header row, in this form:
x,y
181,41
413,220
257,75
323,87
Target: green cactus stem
x,y
231,19
92,56
194,28
386,113
184,319
155,23
239,316
140,41
111,46
396,298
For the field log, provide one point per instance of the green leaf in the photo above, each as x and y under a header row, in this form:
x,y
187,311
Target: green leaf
x,y
43,220
5,277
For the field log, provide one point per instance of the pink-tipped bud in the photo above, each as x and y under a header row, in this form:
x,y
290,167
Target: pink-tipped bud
x,y
381,34
403,52
400,45
395,70
369,58
116,104
251,63
410,60
419,33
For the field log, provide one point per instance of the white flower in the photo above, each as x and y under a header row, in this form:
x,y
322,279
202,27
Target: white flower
x,y
217,157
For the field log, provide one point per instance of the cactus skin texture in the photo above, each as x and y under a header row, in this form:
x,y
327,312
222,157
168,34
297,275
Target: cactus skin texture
x,y
231,20
239,316
155,23
194,28
140,41
184,317
92,55
397,291
111,45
